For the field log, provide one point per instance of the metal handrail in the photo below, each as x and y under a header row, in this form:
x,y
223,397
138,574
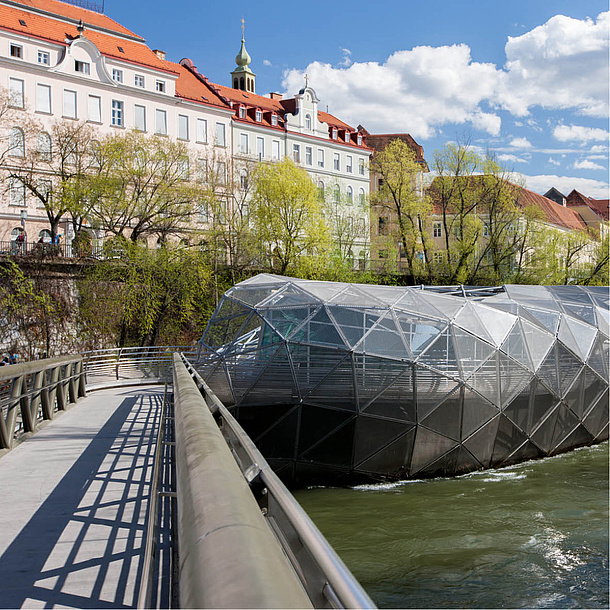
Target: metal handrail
x,y
325,577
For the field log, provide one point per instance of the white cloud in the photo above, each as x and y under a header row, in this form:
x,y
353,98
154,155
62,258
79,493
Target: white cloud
x,y
511,159
599,148
586,164
578,133
562,64
266,62
554,161
565,184
520,143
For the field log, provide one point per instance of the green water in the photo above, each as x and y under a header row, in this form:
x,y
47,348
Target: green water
x,y
533,535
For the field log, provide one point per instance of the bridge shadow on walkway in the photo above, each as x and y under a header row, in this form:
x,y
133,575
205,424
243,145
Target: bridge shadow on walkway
x,y
82,545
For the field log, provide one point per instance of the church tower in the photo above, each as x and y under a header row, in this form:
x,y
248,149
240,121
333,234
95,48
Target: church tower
x,y
243,77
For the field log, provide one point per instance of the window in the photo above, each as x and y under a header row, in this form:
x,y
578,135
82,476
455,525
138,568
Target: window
x,y
334,132
243,143
138,81
160,86
44,58
118,115
221,170
308,122
183,127
337,194
242,112
361,167
350,195
183,168
95,153
321,190
296,153
336,161
308,155
117,75
438,257
45,189
437,229
485,230
15,89
320,157
274,120
243,180
16,51
69,104
260,148
43,98
17,192
82,66
359,140
220,134
275,149
202,130
16,142
202,170
361,197
161,122
259,116
382,226
94,109
204,215
349,164
139,117
44,146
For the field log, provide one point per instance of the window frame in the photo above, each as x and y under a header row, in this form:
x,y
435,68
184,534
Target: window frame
x,y
141,78
160,114
221,128
66,94
183,127
16,98
199,131
46,107
117,113
85,65
16,47
41,54
139,108
91,99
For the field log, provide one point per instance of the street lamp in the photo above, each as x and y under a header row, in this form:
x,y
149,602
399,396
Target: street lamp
x,y
24,215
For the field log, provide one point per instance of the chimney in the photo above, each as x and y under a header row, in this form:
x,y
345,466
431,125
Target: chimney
x,y
276,96
159,54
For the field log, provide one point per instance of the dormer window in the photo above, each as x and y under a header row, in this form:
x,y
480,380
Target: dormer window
x,y
308,122
259,116
359,139
160,86
16,51
274,120
82,66
335,133
347,137
117,75
44,58
242,112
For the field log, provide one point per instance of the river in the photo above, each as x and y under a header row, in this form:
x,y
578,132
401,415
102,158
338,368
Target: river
x,y
534,535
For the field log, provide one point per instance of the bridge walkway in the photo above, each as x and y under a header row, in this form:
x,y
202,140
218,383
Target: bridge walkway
x,y
74,504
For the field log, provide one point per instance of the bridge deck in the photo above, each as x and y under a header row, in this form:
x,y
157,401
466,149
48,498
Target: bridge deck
x,y
73,504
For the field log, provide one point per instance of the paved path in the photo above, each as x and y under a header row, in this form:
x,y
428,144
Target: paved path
x,y
73,504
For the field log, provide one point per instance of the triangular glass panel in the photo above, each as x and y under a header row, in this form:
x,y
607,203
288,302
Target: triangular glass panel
x,y
508,438
598,359
481,443
431,389
440,355
543,401
543,434
513,379
257,420
447,305
396,401
446,465
285,321
566,424
574,396
337,388
388,295
472,352
290,296
599,295
518,411
222,331
527,451
279,441
394,459
220,384
264,278
586,313
373,375
353,296
245,370
578,438
312,364
317,423
538,342
428,447
566,337
547,372
549,319
597,418
486,380
336,450
583,334
229,308
276,384
469,320
350,321
418,332
568,367
593,388
384,339
476,412
253,295
319,329
446,419
603,320
373,435
324,291
497,323
414,302
515,346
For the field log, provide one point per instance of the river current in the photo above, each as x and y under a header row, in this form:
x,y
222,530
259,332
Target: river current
x,y
534,535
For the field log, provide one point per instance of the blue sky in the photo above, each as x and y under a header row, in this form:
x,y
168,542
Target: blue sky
x,y
527,80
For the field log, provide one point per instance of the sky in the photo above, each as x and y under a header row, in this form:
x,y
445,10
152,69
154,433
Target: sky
x,y
525,80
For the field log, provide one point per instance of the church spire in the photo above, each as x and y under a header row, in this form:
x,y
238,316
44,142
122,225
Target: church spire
x,y
243,77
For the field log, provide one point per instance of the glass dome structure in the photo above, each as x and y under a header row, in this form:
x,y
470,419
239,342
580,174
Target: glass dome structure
x,y
341,383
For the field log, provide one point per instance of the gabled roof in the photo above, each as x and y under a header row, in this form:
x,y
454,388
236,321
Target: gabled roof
x,y
381,140
194,86
58,31
598,206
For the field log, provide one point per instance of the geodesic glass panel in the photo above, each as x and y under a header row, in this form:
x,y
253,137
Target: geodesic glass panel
x,y
340,381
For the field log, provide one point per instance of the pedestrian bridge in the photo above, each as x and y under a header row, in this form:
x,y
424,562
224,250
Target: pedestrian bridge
x,y
146,493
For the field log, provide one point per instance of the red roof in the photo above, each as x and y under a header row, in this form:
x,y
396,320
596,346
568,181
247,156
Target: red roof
x,y
600,206
57,31
195,87
380,141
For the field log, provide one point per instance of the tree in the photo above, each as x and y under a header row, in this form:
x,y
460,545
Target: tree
x,y
287,214
399,193
143,187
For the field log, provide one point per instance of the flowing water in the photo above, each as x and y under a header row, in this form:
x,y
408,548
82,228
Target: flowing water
x,y
534,535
